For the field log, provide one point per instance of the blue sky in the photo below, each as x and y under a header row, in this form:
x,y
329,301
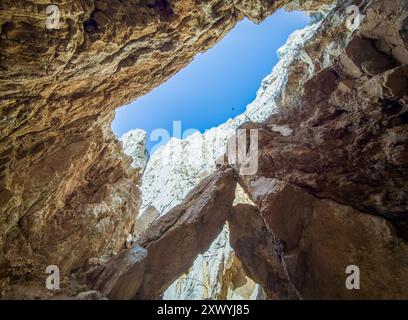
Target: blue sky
x,y
218,84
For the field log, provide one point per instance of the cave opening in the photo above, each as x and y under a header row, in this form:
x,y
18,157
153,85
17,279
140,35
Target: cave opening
x,y
215,87
191,116
81,221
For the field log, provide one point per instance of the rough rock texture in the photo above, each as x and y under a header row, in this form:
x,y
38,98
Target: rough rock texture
x,y
168,248
178,166
205,278
67,193
255,247
134,145
342,137
89,215
348,120
302,245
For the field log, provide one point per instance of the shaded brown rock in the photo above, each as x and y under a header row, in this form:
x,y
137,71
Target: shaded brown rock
x,y
169,247
303,246
79,202
255,247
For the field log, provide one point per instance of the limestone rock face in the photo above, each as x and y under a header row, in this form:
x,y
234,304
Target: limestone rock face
x,y
67,191
329,191
134,145
204,280
148,217
302,246
167,249
89,215
216,274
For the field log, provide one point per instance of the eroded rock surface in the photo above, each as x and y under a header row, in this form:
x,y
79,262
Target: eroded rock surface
x,y
89,215
345,128
302,246
134,145
255,247
67,192
337,144
169,247
216,274
340,134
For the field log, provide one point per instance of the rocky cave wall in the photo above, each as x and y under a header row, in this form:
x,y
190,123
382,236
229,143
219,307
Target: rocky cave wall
x,y
69,194
67,191
331,188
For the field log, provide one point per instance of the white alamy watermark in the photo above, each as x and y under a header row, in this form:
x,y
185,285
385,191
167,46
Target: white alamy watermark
x,y
240,146
353,280
242,153
162,136
53,280
353,21
53,21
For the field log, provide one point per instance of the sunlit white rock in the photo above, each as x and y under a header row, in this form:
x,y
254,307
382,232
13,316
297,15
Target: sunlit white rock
x,y
134,145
